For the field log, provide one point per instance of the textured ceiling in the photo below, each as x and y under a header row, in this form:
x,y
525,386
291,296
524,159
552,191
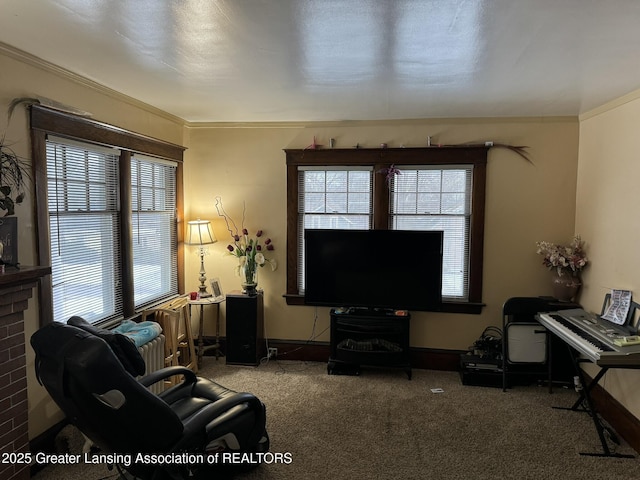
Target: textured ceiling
x,y
324,60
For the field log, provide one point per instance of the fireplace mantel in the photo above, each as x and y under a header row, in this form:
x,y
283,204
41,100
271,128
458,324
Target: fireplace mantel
x,y
16,286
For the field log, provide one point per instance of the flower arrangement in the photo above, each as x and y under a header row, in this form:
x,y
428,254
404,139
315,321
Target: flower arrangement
x,y
390,172
249,250
564,259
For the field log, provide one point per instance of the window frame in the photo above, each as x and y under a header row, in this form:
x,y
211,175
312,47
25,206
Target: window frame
x,y
381,158
45,121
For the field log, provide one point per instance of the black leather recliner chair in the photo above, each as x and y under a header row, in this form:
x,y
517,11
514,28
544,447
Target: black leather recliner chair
x,y
90,373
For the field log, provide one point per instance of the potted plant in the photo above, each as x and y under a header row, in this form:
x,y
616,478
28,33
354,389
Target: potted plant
x,y
14,171
13,175
566,262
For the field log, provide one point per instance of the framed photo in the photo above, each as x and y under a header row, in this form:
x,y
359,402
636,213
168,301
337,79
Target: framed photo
x,y
216,288
9,240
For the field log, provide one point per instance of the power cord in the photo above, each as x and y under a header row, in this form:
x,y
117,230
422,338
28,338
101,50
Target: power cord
x,y
312,337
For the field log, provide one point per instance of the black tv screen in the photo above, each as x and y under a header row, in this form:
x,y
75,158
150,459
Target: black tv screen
x,y
384,269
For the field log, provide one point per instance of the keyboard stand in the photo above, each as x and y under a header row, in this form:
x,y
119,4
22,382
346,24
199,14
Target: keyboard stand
x,y
585,397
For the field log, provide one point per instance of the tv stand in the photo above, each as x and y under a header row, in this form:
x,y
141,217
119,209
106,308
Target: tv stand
x,y
368,337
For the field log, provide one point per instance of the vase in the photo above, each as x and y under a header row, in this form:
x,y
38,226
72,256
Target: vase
x,y
565,286
249,276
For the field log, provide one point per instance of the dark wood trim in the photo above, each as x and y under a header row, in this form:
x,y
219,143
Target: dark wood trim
x,y
46,121
447,307
423,358
379,158
126,234
476,248
385,156
41,215
381,199
85,129
180,225
13,276
292,230
622,420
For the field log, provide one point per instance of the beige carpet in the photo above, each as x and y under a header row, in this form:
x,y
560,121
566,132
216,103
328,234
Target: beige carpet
x,y
382,426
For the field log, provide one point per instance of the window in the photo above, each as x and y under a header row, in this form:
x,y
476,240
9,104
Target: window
x,y
153,186
332,198
108,203
438,198
84,226
435,189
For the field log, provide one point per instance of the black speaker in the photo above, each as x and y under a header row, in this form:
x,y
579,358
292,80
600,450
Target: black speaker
x,y
245,329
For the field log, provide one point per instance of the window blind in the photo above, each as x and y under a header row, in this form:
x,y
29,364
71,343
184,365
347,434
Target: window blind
x,y
153,194
82,184
438,198
332,198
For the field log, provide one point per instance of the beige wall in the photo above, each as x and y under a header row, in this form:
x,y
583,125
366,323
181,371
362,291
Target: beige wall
x,y
525,202
23,76
607,217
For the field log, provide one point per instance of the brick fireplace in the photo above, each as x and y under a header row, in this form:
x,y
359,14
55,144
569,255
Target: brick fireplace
x,y
16,287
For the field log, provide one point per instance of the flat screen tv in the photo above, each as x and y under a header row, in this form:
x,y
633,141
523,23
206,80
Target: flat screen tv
x,y
377,269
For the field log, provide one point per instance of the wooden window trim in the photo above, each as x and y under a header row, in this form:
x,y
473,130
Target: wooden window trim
x,y
46,121
382,158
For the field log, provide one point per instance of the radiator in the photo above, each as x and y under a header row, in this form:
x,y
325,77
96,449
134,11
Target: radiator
x,y
153,354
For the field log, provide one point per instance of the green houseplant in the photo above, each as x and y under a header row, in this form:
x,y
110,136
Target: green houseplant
x,y
13,175
14,171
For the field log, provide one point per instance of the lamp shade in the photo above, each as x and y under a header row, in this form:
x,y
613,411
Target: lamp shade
x,y
199,233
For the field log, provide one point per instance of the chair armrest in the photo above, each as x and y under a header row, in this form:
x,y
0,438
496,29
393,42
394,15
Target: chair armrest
x,y
206,417
167,372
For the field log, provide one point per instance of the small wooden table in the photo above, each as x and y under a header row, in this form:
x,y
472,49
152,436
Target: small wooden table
x,y
216,346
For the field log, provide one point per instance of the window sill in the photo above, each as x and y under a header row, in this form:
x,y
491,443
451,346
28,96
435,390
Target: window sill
x,y
447,307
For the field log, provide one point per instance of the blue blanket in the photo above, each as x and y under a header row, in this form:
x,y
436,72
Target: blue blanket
x,y
141,332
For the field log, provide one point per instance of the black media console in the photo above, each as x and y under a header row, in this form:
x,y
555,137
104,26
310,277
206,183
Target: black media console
x,y
368,337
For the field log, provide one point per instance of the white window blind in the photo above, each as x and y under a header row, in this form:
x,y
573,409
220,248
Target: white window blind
x,y
332,198
84,229
153,193
438,198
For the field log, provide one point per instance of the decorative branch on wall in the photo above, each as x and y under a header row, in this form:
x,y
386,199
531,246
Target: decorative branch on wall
x,y
520,150
517,149
45,102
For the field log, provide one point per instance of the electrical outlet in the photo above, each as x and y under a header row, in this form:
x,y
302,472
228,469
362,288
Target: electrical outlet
x,y
273,352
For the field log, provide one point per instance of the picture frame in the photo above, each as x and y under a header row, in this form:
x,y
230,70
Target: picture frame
x,y
9,240
216,289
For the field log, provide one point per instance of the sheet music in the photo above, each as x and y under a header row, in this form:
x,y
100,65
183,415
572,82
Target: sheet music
x,y
618,307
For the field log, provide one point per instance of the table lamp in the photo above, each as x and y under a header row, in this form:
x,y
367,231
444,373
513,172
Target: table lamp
x,y
199,233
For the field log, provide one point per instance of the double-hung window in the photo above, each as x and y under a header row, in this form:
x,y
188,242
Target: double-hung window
x,y
438,198
427,189
332,198
85,230
153,208
108,203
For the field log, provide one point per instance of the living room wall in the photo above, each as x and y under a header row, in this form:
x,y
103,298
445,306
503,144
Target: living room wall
x,y
526,202
607,216
25,76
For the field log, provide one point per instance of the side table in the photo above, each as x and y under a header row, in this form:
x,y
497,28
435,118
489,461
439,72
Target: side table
x,y
202,302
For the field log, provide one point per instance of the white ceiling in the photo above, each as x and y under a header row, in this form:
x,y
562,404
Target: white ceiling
x,y
324,60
